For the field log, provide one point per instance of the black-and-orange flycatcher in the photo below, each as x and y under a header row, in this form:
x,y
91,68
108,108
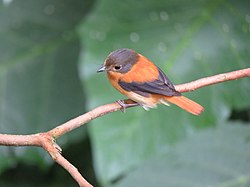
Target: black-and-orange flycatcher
x,y
142,81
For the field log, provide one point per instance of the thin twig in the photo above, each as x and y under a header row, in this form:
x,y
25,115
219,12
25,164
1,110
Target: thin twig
x,y
46,139
206,81
72,170
85,118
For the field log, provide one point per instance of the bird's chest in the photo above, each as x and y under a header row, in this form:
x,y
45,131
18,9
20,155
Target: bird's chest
x,y
114,79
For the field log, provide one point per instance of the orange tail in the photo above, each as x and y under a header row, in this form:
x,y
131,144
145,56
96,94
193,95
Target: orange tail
x,y
186,104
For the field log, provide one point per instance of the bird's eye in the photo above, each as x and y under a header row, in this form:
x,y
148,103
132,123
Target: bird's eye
x,y
117,67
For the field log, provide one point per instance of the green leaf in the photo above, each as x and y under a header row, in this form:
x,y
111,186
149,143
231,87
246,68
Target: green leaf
x,y
217,157
39,83
188,41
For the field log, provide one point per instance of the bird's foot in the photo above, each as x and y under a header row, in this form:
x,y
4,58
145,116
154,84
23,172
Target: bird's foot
x,y
126,104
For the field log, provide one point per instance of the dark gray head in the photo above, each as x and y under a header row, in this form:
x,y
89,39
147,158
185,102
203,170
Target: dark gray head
x,y
120,61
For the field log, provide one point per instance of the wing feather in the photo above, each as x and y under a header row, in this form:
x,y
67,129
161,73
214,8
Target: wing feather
x,y
161,86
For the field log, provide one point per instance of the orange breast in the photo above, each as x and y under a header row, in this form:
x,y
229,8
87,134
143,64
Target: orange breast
x,y
114,78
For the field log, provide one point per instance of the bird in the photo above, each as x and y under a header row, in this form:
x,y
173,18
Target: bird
x,y
143,82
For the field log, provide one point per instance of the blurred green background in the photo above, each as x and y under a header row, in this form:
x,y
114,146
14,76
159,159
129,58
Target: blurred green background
x,y
49,53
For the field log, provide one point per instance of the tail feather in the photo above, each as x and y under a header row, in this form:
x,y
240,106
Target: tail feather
x,y
186,104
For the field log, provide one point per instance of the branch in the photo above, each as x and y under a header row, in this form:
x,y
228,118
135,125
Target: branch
x,y
206,81
46,140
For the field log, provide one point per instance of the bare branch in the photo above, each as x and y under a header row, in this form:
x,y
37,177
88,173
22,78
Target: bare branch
x,y
85,118
206,81
19,140
71,169
46,139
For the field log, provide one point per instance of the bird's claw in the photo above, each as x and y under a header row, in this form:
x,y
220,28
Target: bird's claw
x,y
124,105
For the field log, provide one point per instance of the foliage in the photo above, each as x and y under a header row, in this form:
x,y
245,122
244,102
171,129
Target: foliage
x,y
40,86
39,83
215,157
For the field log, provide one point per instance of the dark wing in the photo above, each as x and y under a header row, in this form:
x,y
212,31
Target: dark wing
x,y
162,77
162,86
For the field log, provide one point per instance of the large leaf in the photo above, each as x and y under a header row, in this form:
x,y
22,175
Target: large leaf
x,y
39,83
188,41
213,158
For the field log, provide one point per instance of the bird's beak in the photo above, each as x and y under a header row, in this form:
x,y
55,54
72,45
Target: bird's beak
x,y
101,69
